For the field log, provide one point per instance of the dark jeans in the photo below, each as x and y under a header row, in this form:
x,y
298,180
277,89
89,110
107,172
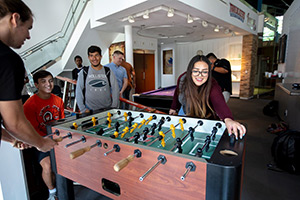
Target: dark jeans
x,y
126,94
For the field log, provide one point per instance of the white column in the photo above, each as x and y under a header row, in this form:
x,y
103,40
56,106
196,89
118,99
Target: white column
x,y
128,44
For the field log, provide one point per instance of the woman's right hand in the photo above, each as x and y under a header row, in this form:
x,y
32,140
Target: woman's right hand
x,y
172,112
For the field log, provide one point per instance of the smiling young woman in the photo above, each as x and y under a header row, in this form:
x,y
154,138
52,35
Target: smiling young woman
x,y
199,95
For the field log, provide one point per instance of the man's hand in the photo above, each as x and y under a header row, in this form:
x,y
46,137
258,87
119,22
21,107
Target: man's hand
x,y
20,145
47,145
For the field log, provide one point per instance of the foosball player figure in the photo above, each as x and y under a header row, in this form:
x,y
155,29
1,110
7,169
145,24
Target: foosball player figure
x,y
74,126
207,142
117,125
145,132
100,132
172,127
214,132
133,127
161,138
94,121
160,123
115,135
150,119
191,133
125,130
199,152
152,129
178,145
130,120
136,137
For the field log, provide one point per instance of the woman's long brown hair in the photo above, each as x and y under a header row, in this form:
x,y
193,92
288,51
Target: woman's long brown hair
x,y
197,97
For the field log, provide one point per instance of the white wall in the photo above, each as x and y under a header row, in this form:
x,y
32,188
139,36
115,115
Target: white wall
x,y
220,47
48,19
291,27
13,185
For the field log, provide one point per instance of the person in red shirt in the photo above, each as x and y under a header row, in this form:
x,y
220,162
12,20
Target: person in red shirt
x,y
40,109
199,95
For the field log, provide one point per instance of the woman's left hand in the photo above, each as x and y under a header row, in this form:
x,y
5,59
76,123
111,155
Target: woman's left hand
x,y
235,128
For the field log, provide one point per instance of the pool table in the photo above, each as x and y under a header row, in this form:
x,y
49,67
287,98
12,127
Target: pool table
x,y
160,99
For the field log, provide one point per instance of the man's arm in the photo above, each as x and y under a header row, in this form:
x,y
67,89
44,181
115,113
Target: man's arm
x,y
220,70
115,91
133,78
79,93
6,137
125,83
19,127
222,66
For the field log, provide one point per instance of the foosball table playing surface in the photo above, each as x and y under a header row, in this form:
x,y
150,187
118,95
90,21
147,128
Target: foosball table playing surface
x,y
126,154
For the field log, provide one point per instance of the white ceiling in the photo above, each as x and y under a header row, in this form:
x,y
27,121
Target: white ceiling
x,y
168,29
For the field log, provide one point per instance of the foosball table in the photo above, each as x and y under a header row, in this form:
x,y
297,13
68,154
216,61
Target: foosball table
x,y
137,155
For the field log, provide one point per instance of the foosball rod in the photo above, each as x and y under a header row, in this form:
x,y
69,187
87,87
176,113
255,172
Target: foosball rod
x,y
146,108
161,160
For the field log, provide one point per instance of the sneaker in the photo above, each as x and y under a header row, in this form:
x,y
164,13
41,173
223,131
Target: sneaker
x,y
52,196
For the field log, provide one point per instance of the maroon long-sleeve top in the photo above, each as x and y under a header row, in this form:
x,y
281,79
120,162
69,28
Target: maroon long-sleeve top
x,y
216,98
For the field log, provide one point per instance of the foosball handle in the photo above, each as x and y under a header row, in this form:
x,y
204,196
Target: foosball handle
x,y
59,139
79,152
123,163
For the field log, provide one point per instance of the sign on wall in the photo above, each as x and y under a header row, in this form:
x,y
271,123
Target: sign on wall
x,y
168,61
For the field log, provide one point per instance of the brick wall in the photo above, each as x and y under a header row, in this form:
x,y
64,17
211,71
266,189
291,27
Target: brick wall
x,y
249,64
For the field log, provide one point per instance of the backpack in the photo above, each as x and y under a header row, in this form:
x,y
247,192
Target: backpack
x,y
286,151
85,73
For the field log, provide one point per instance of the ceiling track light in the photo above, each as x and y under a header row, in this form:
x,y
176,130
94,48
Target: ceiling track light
x,y
189,19
146,14
131,19
204,24
170,12
217,29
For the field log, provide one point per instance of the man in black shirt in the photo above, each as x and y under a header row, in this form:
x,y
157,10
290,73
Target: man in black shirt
x,y
78,61
15,22
221,71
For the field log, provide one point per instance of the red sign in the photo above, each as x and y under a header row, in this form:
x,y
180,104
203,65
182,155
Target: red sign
x,y
237,12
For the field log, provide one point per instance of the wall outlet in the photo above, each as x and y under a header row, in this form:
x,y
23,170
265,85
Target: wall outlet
x,y
285,113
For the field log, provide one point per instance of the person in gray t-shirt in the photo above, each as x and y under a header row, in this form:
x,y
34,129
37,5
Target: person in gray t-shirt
x,y
98,92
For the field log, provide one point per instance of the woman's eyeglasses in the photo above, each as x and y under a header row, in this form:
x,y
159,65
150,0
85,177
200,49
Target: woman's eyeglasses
x,y
197,73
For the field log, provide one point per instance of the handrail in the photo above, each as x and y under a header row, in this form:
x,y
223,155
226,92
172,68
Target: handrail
x,y
48,40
